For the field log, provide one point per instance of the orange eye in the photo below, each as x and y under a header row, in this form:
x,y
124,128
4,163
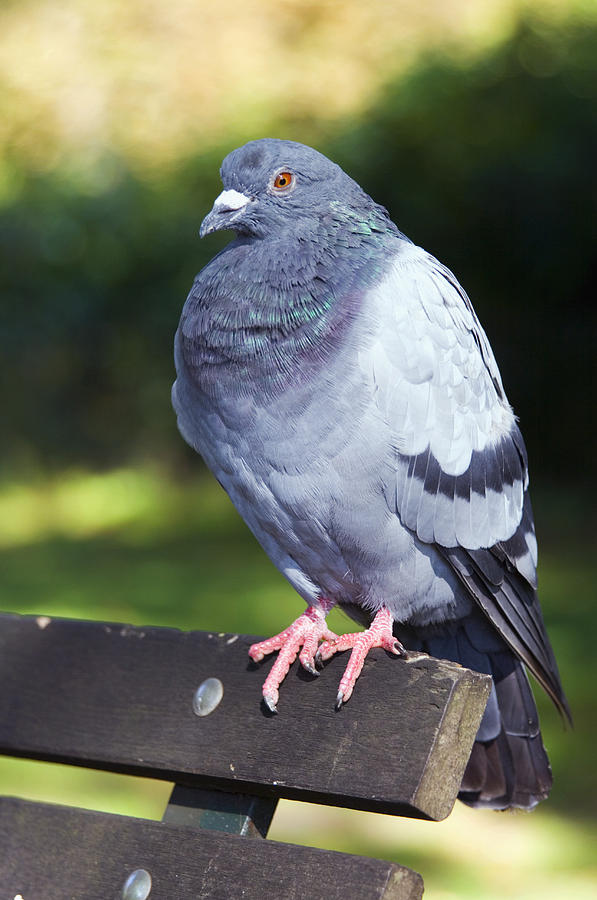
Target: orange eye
x,y
283,181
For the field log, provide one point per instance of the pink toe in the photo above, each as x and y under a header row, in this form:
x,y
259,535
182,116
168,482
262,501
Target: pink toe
x,y
379,634
305,632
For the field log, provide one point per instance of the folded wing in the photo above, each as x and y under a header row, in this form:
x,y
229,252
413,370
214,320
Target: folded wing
x,y
461,465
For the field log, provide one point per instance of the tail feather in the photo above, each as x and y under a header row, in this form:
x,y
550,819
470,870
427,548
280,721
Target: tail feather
x,y
511,769
508,766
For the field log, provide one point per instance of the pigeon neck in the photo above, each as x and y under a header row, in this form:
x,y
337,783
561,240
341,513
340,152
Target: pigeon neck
x,y
271,309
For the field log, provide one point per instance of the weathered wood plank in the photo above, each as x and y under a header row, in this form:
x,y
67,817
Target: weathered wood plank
x,y
58,853
118,697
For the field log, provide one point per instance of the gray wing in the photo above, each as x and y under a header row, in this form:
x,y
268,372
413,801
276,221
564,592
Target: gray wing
x,y
511,604
460,458
461,464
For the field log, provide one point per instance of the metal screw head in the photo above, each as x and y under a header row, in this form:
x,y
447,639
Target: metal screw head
x,y
207,696
137,886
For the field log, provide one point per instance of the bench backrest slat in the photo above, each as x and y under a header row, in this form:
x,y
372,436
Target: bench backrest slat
x,y
54,853
120,697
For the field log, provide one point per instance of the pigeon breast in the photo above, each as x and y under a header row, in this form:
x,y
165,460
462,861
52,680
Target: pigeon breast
x,y
298,434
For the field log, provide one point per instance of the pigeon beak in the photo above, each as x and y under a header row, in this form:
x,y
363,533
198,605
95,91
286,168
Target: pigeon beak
x,y
225,211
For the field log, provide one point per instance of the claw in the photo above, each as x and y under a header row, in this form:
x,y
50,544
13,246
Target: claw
x,y
310,668
379,634
305,632
270,703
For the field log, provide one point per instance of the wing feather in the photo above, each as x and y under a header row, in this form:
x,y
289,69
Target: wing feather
x,y
509,600
460,460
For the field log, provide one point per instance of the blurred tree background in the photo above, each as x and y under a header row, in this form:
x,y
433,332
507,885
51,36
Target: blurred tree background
x,y
476,125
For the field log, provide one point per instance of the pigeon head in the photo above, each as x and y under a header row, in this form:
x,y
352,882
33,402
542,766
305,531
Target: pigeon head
x,y
271,185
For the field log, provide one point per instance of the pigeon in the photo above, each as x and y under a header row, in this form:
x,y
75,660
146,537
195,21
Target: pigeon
x,y
336,380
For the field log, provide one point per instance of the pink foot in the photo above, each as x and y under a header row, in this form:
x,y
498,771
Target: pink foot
x,y
379,634
306,631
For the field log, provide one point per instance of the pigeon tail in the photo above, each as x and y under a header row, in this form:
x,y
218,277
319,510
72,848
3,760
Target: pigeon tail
x,y
508,767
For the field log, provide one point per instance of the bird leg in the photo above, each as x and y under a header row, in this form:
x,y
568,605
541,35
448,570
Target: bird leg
x,y
306,631
379,634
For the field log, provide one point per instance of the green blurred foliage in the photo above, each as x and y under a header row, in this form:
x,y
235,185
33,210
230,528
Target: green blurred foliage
x,y
93,277
489,164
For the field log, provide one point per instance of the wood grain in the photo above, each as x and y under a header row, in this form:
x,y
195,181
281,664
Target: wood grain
x,y
120,697
58,853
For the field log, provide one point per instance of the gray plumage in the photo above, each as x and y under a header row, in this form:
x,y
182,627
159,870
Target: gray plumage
x,y
337,382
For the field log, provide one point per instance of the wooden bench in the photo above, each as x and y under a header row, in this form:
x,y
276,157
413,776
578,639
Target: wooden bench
x,y
125,699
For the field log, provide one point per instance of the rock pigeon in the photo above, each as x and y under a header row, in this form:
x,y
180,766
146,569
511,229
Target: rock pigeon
x,y
337,382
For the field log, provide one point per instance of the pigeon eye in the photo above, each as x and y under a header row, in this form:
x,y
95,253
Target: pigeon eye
x,y
283,181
